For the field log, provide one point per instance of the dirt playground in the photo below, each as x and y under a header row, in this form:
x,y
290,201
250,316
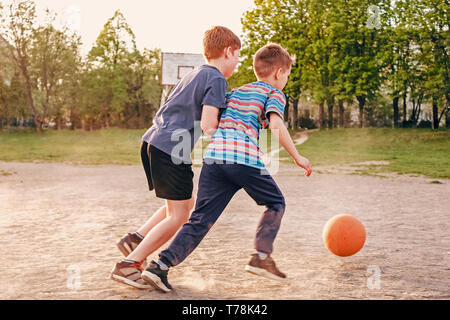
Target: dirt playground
x,y
59,225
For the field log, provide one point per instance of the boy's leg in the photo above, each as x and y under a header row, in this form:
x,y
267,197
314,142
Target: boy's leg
x,y
156,218
133,239
173,182
264,190
129,270
214,193
130,241
161,214
177,214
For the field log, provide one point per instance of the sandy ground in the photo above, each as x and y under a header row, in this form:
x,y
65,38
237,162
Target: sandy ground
x,y
59,223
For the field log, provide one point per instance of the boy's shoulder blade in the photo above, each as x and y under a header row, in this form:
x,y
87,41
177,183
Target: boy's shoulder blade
x,y
257,86
202,73
210,69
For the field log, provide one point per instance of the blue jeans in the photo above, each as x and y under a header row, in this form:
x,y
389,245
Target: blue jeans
x,y
217,185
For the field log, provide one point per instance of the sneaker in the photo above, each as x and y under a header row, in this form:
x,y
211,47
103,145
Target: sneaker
x,y
157,277
129,273
265,268
128,243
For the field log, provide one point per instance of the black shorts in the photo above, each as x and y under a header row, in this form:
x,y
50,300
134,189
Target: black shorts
x,y
170,181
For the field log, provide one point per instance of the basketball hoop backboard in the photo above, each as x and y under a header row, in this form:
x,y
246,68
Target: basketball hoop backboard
x,y
174,66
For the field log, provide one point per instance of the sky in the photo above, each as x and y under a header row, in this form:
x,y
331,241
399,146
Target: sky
x,y
171,25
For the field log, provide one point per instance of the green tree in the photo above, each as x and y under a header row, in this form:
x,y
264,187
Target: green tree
x,y
399,56
361,50
16,28
338,56
143,89
44,57
55,59
283,22
433,24
107,63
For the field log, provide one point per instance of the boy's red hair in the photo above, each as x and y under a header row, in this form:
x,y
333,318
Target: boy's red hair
x,y
217,39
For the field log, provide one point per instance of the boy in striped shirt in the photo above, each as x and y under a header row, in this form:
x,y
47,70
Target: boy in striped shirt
x,y
233,161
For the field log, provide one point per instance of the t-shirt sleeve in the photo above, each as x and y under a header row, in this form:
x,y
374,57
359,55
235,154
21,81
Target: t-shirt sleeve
x,y
215,93
228,95
275,103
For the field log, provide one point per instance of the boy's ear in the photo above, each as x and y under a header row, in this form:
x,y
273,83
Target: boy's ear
x,y
278,73
228,52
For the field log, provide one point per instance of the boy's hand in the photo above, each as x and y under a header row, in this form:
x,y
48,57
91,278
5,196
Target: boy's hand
x,y
305,164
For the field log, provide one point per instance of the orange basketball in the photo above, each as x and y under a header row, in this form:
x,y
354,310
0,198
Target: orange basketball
x,y
344,235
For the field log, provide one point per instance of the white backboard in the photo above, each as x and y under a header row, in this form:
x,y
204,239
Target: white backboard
x,y
174,66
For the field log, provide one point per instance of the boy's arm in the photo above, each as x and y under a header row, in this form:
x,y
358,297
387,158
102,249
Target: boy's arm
x,y
210,119
282,134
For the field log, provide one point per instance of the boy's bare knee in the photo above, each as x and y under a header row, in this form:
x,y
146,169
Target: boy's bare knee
x,y
191,204
182,212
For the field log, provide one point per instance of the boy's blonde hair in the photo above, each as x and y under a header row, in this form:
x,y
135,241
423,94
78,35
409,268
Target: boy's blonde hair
x,y
217,39
271,57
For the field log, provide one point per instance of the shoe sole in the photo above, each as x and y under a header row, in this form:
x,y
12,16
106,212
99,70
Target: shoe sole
x,y
262,273
129,282
154,281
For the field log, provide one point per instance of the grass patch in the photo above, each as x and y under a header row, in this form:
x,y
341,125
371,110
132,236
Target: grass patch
x,y
6,173
110,146
408,151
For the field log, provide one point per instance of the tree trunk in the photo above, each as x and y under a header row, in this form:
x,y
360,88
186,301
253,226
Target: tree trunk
x,y
28,93
330,104
447,107
405,118
435,114
447,119
361,102
286,112
341,113
36,118
295,114
321,112
395,106
3,116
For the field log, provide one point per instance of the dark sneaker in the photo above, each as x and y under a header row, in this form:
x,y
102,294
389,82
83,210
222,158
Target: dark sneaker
x,y
265,268
157,277
129,273
128,243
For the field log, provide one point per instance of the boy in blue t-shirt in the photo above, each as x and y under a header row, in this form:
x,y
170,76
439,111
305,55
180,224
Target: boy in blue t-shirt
x,y
194,104
233,162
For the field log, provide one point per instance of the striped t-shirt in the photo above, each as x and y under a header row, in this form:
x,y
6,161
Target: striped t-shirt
x,y
236,139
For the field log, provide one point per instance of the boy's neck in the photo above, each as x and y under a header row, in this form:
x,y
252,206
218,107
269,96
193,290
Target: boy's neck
x,y
268,81
218,63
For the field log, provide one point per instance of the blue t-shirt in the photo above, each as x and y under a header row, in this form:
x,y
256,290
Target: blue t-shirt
x,y
176,126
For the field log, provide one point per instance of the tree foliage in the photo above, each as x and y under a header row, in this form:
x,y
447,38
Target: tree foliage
x,y
44,77
341,57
